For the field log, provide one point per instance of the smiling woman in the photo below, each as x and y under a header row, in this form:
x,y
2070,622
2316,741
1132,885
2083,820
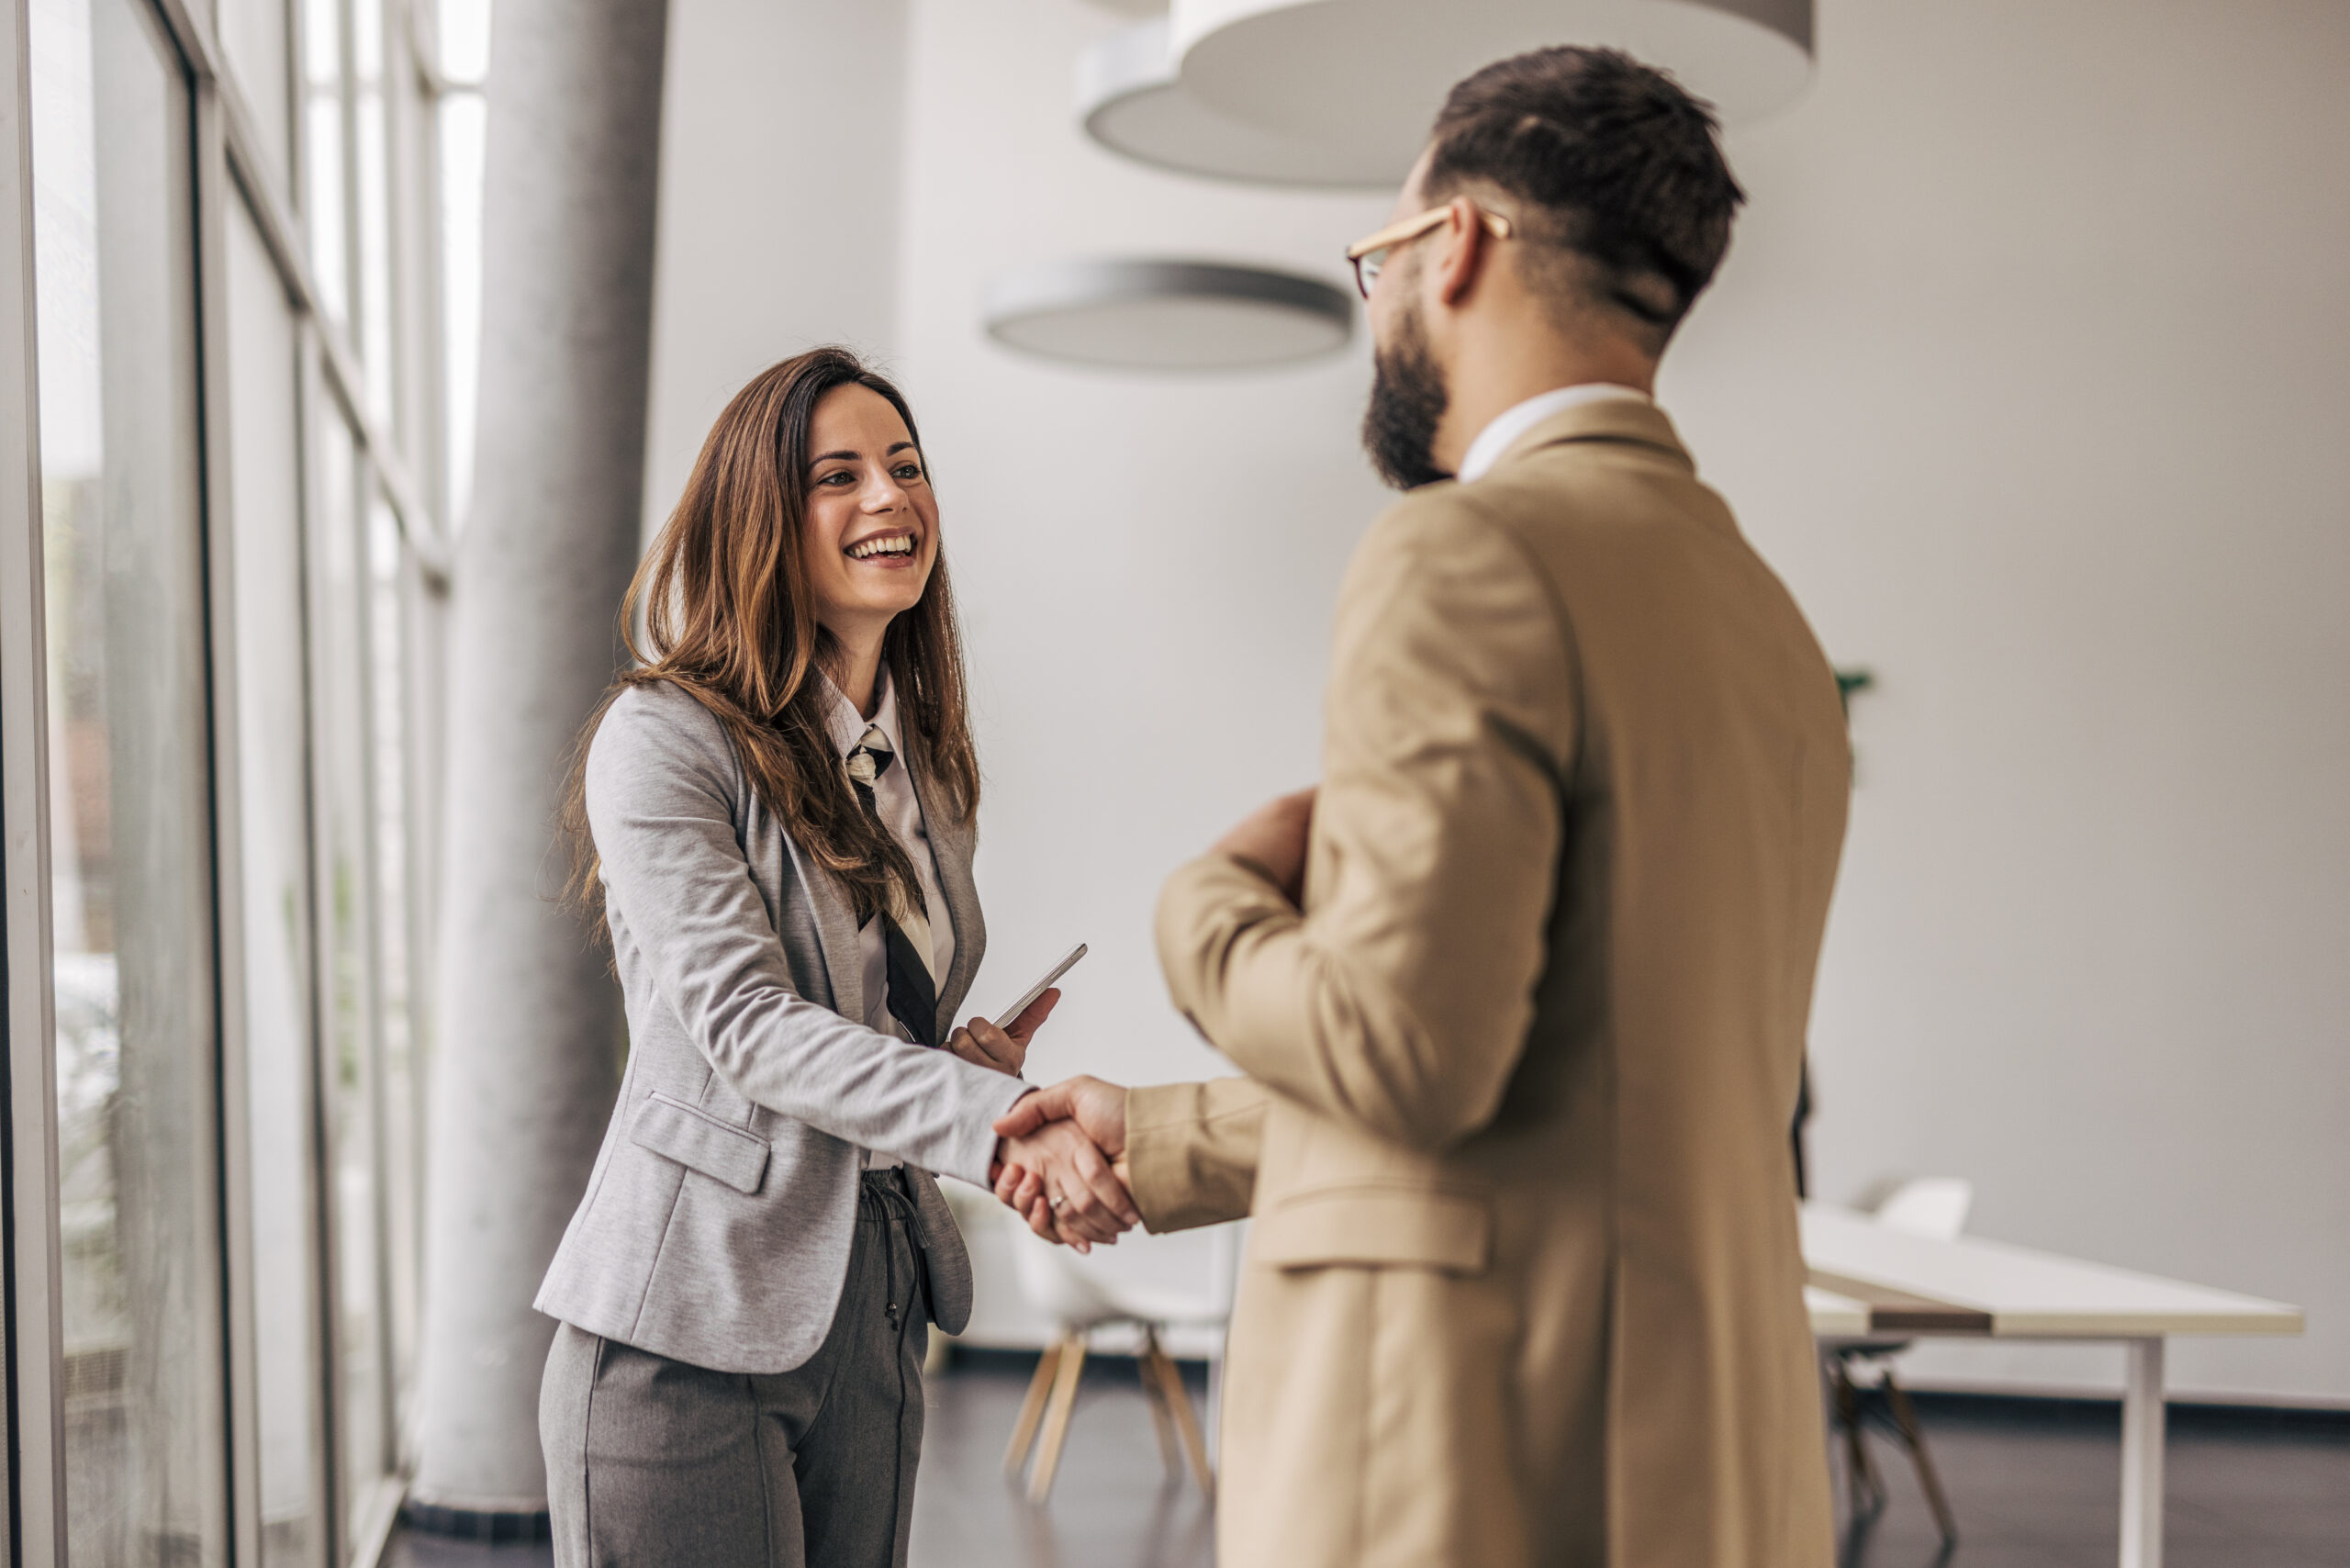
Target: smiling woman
x,y
774,809
755,603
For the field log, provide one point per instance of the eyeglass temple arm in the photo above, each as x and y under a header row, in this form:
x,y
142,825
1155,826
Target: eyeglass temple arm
x,y
1396,233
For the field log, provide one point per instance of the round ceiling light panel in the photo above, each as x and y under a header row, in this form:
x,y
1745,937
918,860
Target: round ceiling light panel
x,y
1342,91
1166,315
1130,99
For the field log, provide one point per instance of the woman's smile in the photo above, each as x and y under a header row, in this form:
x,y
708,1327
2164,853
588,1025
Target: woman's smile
x,y
893,549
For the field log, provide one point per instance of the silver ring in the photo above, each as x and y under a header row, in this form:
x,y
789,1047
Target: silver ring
x,y
1056,1204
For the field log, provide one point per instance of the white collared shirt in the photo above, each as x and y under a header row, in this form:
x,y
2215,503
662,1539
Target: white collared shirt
x,y
900,811
1511,424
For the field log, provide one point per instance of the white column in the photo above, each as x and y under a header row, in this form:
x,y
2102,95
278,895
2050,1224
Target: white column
x,y
530,1032
2142,1456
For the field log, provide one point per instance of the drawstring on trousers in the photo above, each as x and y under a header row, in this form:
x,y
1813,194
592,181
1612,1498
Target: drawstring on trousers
x,y
886,1193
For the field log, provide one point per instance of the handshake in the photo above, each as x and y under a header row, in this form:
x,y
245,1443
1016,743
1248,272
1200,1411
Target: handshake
x,y
1060,1155
1062,1165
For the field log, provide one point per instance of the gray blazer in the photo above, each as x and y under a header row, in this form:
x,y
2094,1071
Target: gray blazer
x,y
715,1229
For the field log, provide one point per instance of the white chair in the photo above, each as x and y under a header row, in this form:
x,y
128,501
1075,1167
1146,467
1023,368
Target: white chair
x,y
1080,1299
1928,1206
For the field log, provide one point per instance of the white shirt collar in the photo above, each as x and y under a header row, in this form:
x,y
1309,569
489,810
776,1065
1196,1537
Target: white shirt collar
x,y
848,725
1497,437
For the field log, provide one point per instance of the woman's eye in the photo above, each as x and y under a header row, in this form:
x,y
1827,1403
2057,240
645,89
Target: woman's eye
x,y
909,471
838,477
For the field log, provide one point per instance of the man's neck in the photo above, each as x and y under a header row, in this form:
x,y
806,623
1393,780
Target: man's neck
x,y
1488,380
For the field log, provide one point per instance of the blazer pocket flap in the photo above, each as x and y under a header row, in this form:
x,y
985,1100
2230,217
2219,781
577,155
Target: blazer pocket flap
x,y
1406,1228
700,1141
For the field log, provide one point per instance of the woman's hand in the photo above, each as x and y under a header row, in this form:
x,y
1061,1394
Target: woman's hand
x,y
1080,1199
982,1043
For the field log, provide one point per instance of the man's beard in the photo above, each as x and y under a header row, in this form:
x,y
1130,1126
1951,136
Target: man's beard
x,y
1408,401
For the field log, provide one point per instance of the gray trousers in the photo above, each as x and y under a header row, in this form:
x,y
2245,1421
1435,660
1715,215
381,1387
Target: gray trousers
x,y
652,1462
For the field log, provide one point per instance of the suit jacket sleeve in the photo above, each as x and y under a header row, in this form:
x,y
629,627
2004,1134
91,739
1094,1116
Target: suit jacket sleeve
x,y
660,803
1400,999
1191,1151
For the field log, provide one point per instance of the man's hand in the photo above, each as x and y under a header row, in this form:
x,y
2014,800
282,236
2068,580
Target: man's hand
x,y
1272,838
1098,1108
1099,1111
982,1043
1080,1201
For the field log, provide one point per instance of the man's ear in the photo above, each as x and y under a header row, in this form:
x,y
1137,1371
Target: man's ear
x,y
1465,249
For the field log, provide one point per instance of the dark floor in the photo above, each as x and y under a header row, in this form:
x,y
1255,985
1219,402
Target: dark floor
x,y
2035,1485
2038,1482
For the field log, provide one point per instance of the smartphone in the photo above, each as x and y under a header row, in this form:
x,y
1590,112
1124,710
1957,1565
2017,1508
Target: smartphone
x,y
1003,1021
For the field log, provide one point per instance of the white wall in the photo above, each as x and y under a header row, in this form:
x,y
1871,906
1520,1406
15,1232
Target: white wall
x,y
1145,563
781,142
2030,370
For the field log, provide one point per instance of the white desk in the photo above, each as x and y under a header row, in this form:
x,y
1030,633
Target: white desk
x,y
1918,1285
1836,1317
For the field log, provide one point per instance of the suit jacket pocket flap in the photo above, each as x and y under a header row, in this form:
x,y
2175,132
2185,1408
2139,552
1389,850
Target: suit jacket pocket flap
x,y
700,1141
1406,1227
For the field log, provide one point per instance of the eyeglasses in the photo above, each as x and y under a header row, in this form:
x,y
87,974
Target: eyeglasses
x,y
1370,255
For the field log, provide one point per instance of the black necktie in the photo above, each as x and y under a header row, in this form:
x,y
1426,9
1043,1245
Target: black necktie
x,y
913,995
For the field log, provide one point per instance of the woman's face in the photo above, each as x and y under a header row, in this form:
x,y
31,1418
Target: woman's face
x,y
871,535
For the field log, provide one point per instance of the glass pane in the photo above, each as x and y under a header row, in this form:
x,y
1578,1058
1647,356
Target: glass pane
x,y
374,204
465,40
464,120
125,601
252,34
346,894
322,154
274,812
398,1025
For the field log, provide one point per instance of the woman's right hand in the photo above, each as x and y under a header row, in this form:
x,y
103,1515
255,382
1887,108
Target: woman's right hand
x,y
1082,1199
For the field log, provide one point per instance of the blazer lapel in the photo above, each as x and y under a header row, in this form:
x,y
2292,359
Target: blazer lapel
x,y
951,845
836,933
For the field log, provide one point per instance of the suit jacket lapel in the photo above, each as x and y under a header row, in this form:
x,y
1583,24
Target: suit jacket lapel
x,y
836,933
951,845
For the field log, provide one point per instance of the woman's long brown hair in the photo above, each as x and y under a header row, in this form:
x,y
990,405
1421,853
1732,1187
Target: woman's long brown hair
x,y
729,617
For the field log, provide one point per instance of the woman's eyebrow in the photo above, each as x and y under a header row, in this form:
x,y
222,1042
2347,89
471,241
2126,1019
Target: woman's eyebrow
x,y
854,456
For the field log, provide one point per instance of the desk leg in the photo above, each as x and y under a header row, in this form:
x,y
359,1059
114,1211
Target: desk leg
x,y
1215,1406
2142,1456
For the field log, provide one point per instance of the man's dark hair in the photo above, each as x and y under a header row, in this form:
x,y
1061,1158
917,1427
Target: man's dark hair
x,y
1624,197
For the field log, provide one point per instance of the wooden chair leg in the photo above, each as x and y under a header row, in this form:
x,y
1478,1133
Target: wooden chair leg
x,y
1860,1475
1048,1458
1032,1407
1905,1418
1162,1422
1178,1401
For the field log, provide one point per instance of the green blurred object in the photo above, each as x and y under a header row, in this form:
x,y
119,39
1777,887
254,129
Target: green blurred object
x,y
1848,681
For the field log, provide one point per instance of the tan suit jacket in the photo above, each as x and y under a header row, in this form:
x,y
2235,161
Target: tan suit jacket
x,y
1524,1285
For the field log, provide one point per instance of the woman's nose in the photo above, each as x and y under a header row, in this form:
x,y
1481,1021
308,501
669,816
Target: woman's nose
x,y
884,494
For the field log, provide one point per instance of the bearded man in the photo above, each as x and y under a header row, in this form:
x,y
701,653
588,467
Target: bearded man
x,y
1521,999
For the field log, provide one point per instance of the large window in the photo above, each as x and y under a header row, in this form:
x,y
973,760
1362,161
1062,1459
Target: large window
x,y
237,246
130,873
